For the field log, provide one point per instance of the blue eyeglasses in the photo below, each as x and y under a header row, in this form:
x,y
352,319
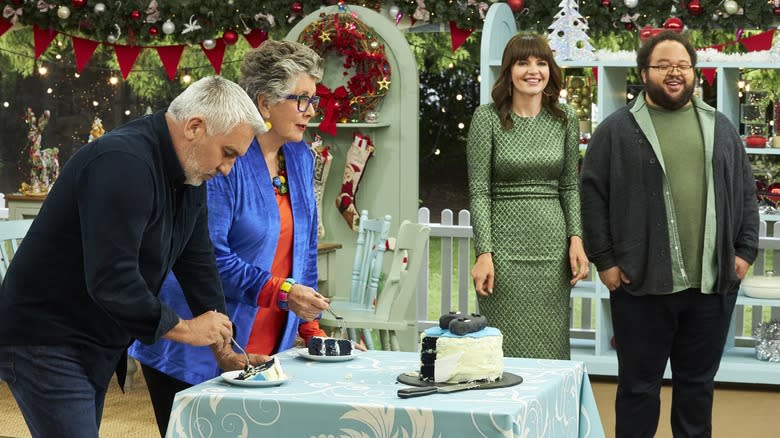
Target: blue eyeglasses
x,y
304,101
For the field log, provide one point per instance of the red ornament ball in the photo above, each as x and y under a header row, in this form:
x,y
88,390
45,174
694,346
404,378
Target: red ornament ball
x,y
776,11
230,37
673,23
694,8
78,3
135,15
153,31
606,3
516,5
628,26
296,8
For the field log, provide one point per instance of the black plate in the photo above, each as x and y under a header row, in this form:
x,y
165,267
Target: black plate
x,y
507,379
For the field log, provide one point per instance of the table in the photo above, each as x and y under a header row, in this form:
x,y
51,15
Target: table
x,y
326,267
358,398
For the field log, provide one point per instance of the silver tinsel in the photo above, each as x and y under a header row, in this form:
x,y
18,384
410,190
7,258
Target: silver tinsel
x,y
767,335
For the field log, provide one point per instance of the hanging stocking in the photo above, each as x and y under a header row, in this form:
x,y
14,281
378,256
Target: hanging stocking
x,y
322,160
359,152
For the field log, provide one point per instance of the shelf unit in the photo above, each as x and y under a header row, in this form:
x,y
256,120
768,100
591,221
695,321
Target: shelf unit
x,y
739,363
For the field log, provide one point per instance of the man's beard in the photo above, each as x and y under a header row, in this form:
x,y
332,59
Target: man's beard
x,y
660,97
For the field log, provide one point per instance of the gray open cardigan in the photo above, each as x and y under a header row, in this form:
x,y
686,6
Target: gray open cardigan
x,y
623,212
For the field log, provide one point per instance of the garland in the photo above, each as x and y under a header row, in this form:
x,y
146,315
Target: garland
x,y
346,35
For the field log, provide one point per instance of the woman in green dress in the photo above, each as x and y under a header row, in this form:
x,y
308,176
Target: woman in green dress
x,y
523,151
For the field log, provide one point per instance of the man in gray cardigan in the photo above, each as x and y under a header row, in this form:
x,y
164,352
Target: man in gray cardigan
x,y
670,220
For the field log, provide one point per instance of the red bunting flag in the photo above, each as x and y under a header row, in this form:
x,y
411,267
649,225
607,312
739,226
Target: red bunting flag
x,y
762,41
170,57
126,56
708,74
458,36
256,37
42,39
83,49
4,26
595,71
215,55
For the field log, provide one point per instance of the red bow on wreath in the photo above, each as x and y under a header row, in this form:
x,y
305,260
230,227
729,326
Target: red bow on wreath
x,y
335,105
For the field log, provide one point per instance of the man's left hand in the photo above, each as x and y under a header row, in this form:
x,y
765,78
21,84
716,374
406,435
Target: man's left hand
x,y
740,267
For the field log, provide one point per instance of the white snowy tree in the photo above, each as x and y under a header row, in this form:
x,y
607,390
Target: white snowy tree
x,y
567,34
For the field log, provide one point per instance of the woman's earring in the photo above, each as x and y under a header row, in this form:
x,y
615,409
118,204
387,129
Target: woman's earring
x,y
268,125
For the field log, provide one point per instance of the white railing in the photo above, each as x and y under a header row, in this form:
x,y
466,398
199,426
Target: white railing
x,y
458,295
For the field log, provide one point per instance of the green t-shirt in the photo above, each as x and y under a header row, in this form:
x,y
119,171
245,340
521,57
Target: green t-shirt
x,y
682,147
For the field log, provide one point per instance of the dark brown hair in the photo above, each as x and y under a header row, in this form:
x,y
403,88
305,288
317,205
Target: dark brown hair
x,y
646,50
523,46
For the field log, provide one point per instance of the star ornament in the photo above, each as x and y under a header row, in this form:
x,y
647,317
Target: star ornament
x,y
384,84
324,37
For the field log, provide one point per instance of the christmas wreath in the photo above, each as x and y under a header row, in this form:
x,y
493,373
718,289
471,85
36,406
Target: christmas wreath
x,y
352,39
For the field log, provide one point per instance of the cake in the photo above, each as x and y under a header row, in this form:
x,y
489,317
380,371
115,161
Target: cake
x,y
271,370
447,357
319,346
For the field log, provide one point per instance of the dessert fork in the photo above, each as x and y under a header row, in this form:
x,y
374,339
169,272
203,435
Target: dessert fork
x,y
340,321
249,366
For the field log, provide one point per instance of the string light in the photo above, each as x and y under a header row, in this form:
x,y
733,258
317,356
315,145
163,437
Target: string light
x,y
186,78
42,70
461,125
113,80
127,112
49,91
6,104
95,103
458,96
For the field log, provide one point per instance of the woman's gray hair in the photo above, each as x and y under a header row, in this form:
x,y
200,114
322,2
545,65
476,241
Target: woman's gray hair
x,y
272,69
223,104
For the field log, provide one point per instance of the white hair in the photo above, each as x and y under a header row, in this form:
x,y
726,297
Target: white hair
x,y
223,104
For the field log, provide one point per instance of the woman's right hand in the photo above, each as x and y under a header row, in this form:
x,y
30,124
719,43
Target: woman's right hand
x,y
306,302
483,274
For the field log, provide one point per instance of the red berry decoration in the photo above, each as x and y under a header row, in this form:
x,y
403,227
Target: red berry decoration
x,y
673,23
516,5
230,37
78,3
694,8
135,15
153,31
296,8
629,26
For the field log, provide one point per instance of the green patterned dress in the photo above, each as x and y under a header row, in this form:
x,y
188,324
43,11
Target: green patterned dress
x,y
525,205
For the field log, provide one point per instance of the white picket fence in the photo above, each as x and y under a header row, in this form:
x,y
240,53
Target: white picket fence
x,y
454,237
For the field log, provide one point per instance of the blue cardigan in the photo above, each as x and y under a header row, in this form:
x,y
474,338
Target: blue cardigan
x,y
244,226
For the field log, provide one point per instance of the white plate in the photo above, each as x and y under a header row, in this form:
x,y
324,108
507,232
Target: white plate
x,y
304,352
230,377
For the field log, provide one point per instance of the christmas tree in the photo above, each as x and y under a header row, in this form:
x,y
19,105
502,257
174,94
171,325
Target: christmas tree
x,y
567,34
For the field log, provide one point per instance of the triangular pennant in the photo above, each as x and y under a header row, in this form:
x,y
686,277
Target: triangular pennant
x,y
718,47
709,74
458,35
126,56
595,71
170,57
4,26
256,37
83,49
762,41
215,55
42,39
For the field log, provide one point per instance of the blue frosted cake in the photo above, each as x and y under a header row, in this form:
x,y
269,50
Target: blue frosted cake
x,y
319,346
451,358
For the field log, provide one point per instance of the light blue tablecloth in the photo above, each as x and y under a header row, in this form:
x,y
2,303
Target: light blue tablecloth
x,y
358,398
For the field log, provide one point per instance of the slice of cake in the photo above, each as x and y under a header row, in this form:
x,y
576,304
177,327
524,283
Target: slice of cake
x,y
271,370
319,346
451,358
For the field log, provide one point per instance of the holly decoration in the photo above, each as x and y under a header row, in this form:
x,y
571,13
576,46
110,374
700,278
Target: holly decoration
x,y
363,54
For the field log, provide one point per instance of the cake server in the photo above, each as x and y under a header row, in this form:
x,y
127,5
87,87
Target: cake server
x,y
418,391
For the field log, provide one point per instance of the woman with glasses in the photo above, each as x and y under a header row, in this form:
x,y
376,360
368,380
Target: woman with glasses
x,y
263,224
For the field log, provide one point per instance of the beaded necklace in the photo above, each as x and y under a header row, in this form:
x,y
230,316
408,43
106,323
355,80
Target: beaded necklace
x,y
280,182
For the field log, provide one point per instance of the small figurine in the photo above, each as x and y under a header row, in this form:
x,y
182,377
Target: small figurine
x,y
96,130
44,163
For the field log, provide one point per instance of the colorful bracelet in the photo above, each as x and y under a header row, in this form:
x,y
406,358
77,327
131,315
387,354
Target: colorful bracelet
x,y
284,289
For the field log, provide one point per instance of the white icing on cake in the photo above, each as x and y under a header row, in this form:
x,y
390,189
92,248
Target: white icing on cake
x,y
474,356
272,372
